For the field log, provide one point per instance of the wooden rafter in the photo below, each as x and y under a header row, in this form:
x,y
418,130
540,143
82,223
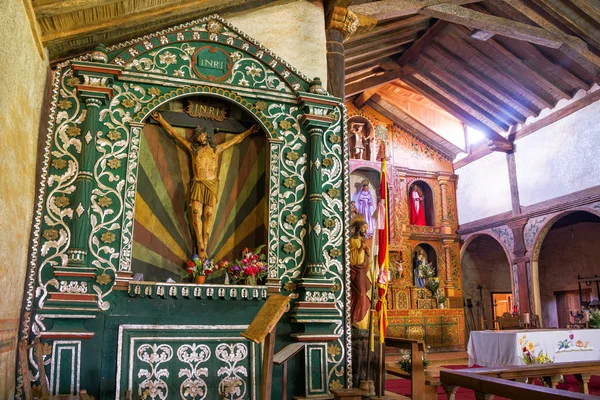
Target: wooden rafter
x,y
403,36
573,47
389,9
51,8
378,48
162,16
365,61
433,95
488,105
377,80
453,93
519,84
422,43
476,78
365,96
413,126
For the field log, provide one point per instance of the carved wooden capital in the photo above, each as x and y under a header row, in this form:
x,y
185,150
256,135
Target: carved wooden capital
x,y
349,23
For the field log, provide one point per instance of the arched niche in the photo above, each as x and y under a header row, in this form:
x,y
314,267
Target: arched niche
x,y
485,262
568,247
423,252
361,139
426,194
164,238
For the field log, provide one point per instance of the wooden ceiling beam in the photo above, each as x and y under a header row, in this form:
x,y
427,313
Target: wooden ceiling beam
x,y
52,8
375,81
573,47
162,16
591,10
424,41
488,105
433,94
501,93
374,50
376,66
390,9
490,23
365,96
413,126
395,36
373,60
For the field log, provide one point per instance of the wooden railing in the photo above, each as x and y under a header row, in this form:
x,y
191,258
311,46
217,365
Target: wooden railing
x,y
486,382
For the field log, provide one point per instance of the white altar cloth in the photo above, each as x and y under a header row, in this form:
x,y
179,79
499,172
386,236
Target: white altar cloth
x,y
505,348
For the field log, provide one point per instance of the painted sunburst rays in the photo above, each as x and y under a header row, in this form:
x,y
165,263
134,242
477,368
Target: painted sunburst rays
x,y
163,240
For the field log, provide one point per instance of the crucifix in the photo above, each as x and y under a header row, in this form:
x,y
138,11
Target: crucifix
x,y
204,154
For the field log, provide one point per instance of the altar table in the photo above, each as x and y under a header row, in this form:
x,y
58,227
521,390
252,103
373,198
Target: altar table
x,y
504,348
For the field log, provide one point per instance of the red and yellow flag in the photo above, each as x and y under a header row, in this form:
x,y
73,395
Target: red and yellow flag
x,y
383,254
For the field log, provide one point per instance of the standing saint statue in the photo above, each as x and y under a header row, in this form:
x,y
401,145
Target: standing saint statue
x,y
420,260
359,267
205,183
365,204
357,132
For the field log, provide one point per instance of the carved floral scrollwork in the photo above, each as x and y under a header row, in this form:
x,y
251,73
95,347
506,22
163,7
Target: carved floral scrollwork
x,y
153,386
193,386
232,386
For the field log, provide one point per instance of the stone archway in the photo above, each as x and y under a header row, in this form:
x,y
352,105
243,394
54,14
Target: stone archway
x,y
486,262
564,248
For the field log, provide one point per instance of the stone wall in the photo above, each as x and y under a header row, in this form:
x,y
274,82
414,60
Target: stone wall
x,y
294,31
559,159
483,188
22,81
566,252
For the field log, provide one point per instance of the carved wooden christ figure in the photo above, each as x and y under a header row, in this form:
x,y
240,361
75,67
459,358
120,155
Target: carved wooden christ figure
x,y
205,183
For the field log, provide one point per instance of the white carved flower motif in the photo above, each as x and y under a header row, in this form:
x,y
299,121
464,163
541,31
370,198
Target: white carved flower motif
x,y
253,71
167,58
236,56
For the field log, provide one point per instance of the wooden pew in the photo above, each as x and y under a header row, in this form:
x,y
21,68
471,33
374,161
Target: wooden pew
x,y
421,387
488,382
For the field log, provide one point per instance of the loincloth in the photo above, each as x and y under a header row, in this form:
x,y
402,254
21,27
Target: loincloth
x,y
205,191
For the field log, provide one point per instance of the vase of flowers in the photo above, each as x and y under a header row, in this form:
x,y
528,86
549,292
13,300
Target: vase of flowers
x,y
198,269
250,269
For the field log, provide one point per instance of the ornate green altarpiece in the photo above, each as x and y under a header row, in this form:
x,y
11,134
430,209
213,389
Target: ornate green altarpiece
x,y
106,333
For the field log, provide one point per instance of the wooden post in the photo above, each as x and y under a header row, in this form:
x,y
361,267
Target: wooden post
x,y
584,380
266,379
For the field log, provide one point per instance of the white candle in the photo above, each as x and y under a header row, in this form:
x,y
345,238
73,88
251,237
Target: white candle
x,y
526,318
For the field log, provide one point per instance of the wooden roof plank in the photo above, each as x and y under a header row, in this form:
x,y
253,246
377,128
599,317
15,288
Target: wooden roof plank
x,y
361,86
454,96
456,79
573,47
454,109
496,90
373,59
413,126
375,49
422,43
403,35
523,87
384,28
51,8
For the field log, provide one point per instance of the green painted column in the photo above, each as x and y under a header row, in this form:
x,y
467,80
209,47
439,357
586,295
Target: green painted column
x,y
315,207
80,229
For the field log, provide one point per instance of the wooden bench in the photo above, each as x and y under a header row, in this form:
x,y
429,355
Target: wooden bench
x,y
497,381
422,387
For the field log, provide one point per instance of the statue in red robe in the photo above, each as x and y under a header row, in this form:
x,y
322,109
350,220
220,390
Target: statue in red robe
x,y
417,207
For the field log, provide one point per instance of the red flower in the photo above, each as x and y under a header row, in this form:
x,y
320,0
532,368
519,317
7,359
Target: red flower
x,y
191,263
207,272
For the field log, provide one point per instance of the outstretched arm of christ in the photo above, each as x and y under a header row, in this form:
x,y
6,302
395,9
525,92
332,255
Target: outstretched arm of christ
x,y
171,131
237,139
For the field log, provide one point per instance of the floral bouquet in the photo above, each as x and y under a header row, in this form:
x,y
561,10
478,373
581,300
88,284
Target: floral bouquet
x,y
595,319
250,269
202,267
